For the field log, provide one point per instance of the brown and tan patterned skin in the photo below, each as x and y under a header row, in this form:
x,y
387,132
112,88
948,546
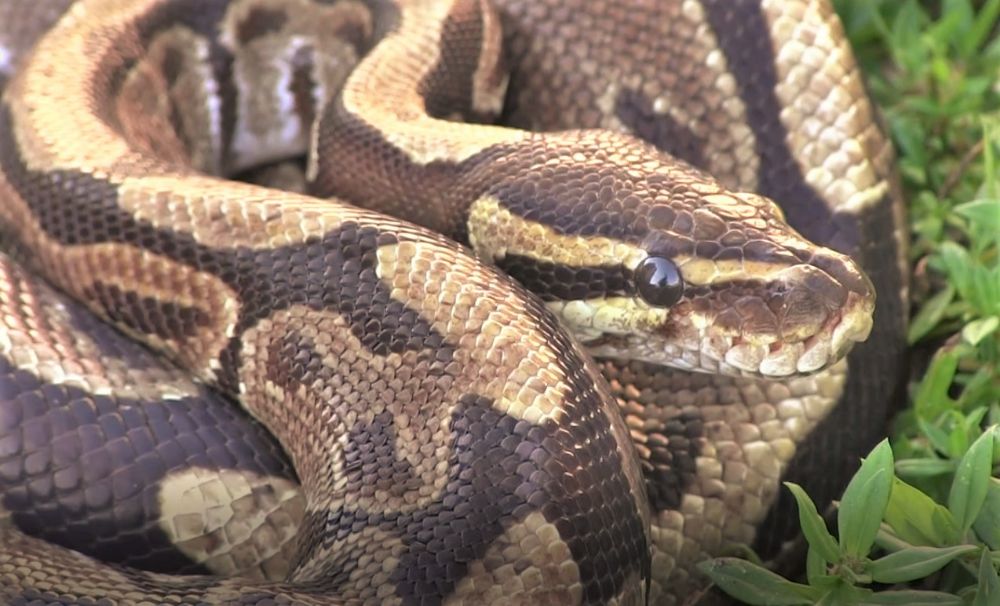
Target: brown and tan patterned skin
x,y
112,449
767,98
453,444
765,95
183,264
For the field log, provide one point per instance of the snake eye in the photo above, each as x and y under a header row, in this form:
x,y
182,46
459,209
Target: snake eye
x,y
659,281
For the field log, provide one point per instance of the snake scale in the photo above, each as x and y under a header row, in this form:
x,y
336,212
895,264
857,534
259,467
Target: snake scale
x,y
453,444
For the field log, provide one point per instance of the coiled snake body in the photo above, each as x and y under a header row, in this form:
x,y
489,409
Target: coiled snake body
x,y
452,443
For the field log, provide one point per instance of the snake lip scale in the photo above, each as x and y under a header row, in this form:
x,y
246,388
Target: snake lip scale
x,y
563,293
809,355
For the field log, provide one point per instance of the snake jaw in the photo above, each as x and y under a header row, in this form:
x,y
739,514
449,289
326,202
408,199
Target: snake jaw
x,y
801,320
803,348
819,312
782,359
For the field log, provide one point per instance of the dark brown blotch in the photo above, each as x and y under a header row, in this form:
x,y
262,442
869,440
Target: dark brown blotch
x,y
447,88
670,464
745,40
176,117
559,282
372,462
635,111
172,65
86,468
302,85
148,315
354,30
260,22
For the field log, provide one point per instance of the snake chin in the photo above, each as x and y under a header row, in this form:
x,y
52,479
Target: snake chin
x,y
771,357
815,353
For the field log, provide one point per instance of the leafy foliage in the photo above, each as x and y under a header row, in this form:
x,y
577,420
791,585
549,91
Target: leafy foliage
x,y
918,537
920,521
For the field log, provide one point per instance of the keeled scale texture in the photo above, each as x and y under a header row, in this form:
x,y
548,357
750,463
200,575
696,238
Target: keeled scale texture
x,y
766,96
107,448
451,441
704,124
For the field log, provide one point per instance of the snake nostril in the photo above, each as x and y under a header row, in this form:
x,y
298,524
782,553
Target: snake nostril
x,y
823,285
844,272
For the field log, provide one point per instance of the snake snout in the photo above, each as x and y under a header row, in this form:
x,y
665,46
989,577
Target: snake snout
x,y
845,272
826,308
855,322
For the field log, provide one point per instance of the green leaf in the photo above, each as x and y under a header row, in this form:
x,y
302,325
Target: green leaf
x,y
816,567
843,593
951,27
931,398
988,587
968,490
813,526
939,438
930,314
987,524
984,214
958,437
977,330
915,563
972,422
913,597
959,266
917,519
906,28
924,468
754,584
888,540
911,134
991,135
984,291
864,501
981,387
984,23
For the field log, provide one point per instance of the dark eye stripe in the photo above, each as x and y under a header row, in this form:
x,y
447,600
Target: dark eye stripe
x,y
558,282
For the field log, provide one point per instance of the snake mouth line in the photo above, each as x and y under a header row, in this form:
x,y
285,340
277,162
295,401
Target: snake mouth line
x,y
834,340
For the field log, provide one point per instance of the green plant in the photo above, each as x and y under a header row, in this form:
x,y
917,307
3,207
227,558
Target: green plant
x,y
934,67
880,512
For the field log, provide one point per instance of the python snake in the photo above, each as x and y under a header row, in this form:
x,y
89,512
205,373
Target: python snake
x,y
452,443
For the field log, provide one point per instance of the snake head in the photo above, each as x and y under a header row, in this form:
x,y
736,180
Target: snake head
x,y
647,258
747,296
759,302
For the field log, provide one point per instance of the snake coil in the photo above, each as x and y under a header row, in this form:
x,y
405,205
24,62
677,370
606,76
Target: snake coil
x,y
452,443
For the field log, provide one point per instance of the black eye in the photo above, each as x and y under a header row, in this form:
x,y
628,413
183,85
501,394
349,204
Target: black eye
x,y
659,281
